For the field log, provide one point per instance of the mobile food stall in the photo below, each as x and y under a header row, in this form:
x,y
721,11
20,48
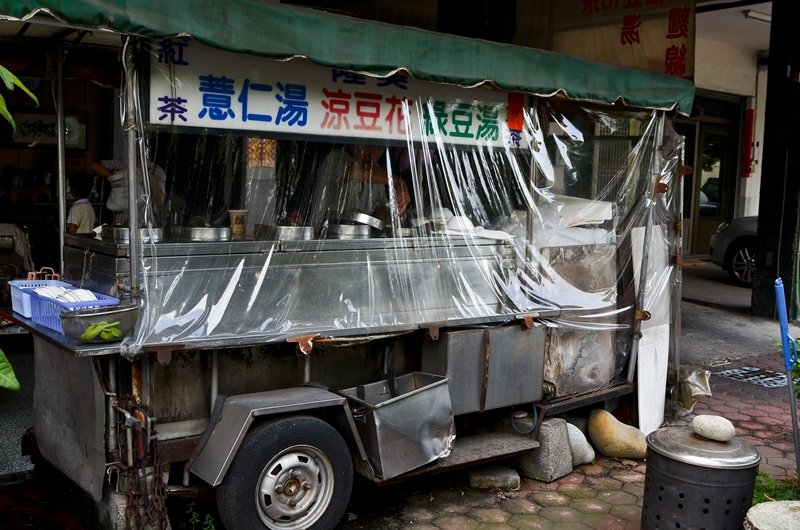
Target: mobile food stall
x,y
293,312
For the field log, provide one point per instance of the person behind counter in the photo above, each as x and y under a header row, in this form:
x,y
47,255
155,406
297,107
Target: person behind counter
x,y
351,178
115,171
80,219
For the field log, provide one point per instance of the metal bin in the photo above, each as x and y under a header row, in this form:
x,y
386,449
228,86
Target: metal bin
x,y
692,482
406,430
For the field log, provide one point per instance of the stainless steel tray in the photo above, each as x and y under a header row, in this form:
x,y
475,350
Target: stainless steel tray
x,y
121,234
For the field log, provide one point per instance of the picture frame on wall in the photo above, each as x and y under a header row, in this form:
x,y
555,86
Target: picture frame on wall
x,y
40,129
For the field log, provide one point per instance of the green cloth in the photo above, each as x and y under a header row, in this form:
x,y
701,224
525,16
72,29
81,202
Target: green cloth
x,y
280,31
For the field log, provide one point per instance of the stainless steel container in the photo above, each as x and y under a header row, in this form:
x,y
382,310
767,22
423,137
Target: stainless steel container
x,y
360,218
284,232
391,231
121,234
202,233
692,482
404,431
485,367
342,231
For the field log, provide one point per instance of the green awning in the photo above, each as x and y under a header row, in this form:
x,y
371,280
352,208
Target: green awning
x,y
280,31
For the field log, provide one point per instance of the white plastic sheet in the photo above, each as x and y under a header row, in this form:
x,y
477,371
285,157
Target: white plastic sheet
x,y
536,224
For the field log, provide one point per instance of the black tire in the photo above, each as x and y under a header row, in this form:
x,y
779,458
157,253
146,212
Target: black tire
x,y
292,473
741,261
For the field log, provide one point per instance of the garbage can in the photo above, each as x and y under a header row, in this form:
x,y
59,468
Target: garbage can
x,y
693,482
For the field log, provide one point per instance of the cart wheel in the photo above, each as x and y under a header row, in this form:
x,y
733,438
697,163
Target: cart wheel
x,y
289,474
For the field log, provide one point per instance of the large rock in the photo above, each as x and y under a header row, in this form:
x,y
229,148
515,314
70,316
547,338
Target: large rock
x,y
582,450
613,438
713,427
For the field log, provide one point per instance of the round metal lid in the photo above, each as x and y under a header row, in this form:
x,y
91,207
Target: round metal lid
x,y
683,445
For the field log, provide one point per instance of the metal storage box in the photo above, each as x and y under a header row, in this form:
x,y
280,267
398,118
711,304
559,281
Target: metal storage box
x,y
405,431
485,367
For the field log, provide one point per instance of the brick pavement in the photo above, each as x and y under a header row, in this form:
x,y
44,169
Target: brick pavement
x,y
761,414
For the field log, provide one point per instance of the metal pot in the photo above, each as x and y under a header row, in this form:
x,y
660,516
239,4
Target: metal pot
x,y
284,232
121,234
341,231
360,218
399,231
202,233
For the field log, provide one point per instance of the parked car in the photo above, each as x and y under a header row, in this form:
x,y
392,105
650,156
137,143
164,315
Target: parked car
x,y
734,246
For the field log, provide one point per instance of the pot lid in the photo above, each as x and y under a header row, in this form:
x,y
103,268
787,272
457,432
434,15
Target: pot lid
x,y
683,445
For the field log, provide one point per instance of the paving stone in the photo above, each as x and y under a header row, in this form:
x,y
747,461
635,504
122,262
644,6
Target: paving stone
x,y
591,469
521,507
538,485
418,514
561,514
456,522
576,491
768,451
603,483
530,522
627,512
616,497
572,478
550,498
627,476
590,506
634,488
604,521
489,515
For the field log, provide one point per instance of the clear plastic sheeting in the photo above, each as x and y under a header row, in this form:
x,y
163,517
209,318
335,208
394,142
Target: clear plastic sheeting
x,y
347,235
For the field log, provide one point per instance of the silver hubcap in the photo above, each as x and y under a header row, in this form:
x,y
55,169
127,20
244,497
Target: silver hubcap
x,y
743,263
295,488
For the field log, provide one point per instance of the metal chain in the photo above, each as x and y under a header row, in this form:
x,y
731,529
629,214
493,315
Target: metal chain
x,y
153,516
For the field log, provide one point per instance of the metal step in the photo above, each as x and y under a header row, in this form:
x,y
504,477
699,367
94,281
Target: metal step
x,y
474,449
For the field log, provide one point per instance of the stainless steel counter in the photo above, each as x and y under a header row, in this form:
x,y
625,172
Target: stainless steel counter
x,y
234,293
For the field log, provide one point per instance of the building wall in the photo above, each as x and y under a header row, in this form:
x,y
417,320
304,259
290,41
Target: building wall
x,y
725,68
731,70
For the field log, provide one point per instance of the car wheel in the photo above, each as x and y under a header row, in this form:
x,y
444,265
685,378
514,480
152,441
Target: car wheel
x,y
293,473
741,261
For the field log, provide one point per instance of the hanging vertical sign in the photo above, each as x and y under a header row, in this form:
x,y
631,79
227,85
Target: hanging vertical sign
x,y
194,85
655,35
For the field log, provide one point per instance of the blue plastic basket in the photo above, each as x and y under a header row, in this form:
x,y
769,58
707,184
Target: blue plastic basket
x,y
20,293
47,312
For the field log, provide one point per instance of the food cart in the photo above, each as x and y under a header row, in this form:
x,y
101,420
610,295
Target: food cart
x,y
521,262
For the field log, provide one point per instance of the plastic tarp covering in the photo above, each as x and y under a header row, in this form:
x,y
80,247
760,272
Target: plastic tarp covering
x,y
278,31
348,236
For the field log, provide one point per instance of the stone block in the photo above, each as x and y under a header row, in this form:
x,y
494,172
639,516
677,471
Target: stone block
x,y
494,477
553,458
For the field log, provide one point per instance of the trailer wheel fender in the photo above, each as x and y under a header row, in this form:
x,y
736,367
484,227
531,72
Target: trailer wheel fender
x,y
235,416
290,473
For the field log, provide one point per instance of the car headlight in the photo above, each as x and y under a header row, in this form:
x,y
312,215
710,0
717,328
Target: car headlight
x,y
722,227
